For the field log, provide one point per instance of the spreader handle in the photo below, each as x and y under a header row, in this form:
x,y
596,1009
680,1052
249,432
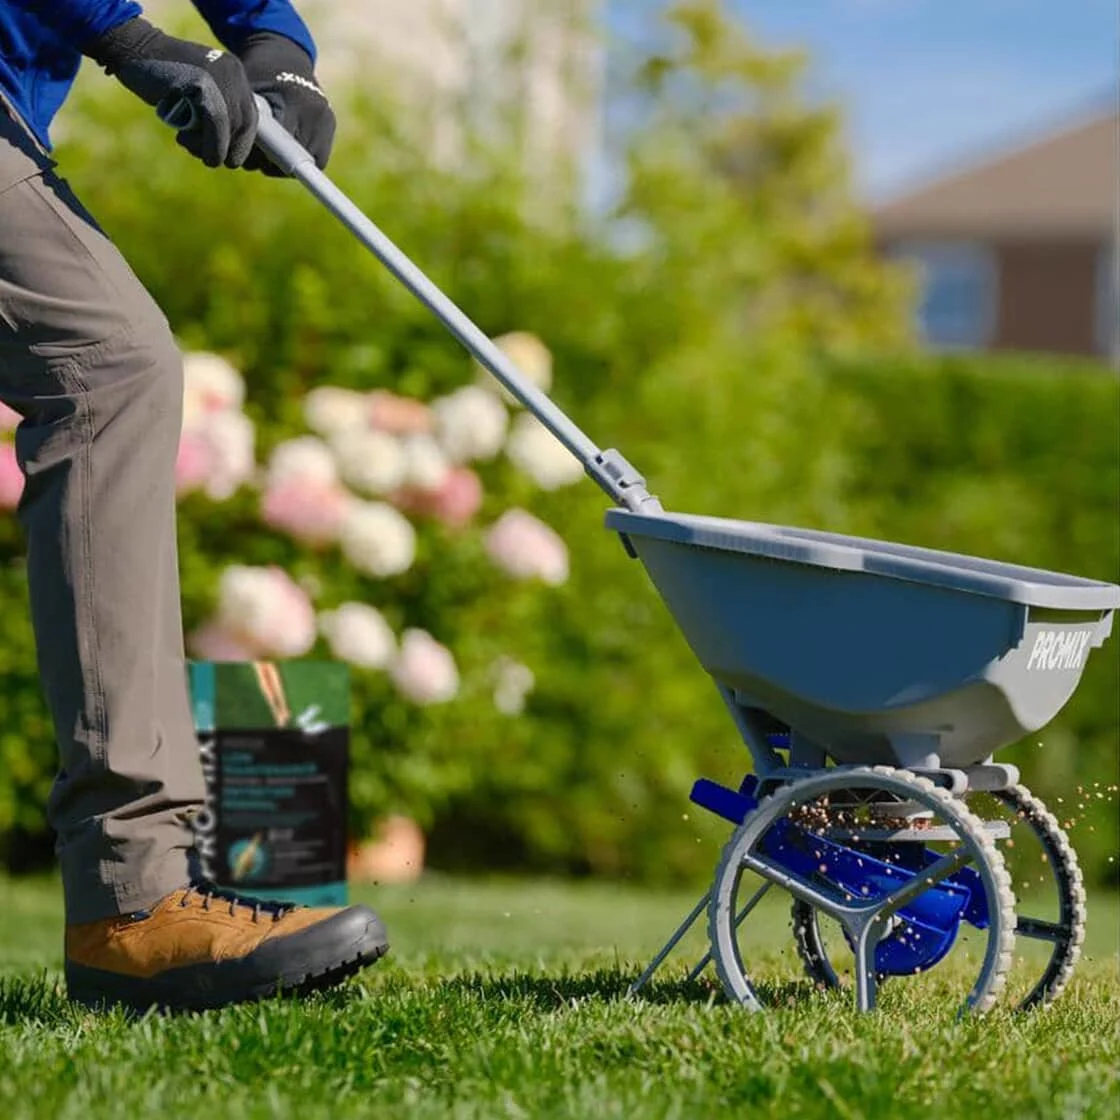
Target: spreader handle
x,y
608,468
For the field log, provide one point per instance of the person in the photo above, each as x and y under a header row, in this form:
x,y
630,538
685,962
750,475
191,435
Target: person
x,y
89,362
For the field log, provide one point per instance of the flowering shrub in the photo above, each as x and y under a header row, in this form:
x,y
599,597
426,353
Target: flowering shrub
x,y
370,536
379,529
315,489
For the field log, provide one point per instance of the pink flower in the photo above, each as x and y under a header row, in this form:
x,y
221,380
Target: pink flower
x,y
11,477
265,612
307,510
9,418
425,671
455,503
526,548
231,440
305,459
193,463
216,455
210,385
398,415
213,642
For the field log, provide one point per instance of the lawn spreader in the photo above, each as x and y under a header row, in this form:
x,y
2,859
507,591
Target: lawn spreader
x,y
872,684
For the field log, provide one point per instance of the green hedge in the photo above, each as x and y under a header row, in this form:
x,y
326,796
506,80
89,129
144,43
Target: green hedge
x,y
1017,458
967,454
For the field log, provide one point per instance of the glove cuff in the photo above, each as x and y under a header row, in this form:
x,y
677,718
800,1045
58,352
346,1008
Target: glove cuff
x,y
127,41
269,49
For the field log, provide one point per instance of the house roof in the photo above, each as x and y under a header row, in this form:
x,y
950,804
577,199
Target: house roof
x,y
1064,184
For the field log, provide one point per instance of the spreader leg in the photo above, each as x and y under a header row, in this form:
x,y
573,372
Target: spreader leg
x,y
740,918
671,944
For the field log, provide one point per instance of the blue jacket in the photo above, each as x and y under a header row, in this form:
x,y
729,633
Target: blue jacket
x,y
40,43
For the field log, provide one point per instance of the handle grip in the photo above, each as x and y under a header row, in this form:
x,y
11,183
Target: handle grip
x,y
272,138
181,115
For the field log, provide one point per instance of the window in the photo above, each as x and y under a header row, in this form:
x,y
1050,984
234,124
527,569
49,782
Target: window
x,y
957,302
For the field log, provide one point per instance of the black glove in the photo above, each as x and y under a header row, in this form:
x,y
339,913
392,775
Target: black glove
x,y
164,71
281,72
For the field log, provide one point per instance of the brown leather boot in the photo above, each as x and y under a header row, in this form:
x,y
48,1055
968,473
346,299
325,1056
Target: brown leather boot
x,y
201,947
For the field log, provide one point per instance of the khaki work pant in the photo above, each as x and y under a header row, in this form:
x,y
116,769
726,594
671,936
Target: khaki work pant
x,y
88,359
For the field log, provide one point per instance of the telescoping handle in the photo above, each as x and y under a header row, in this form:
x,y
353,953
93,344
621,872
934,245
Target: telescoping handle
x,y
622,483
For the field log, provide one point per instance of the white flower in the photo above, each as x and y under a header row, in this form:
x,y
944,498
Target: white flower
x,y
210,384
514,683
230,437
526,548
359,634
373,462
265,611
531,357
328,410
426,466
425,671
470,424
305,460
377,539
536,451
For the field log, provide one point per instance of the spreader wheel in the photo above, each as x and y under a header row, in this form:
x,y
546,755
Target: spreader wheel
x,y
1068,933
896,862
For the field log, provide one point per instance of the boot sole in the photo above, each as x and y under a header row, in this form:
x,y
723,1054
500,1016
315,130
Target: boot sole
x,y
312,960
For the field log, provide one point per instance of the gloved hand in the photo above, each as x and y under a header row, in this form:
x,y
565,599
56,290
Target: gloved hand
x,y
163,70
282,73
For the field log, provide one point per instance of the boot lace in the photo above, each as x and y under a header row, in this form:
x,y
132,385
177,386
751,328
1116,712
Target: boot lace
x,y
209,893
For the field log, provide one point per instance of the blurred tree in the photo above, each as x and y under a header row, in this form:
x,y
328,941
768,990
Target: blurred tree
x,y
736,177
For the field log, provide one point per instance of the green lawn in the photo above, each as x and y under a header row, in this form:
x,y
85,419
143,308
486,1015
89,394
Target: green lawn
x,y
509,999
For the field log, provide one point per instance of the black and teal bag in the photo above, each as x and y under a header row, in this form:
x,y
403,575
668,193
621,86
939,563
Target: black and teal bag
x,y
275,744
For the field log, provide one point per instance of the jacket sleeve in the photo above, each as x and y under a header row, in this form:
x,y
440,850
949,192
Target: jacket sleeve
x,y
233,21
78,21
